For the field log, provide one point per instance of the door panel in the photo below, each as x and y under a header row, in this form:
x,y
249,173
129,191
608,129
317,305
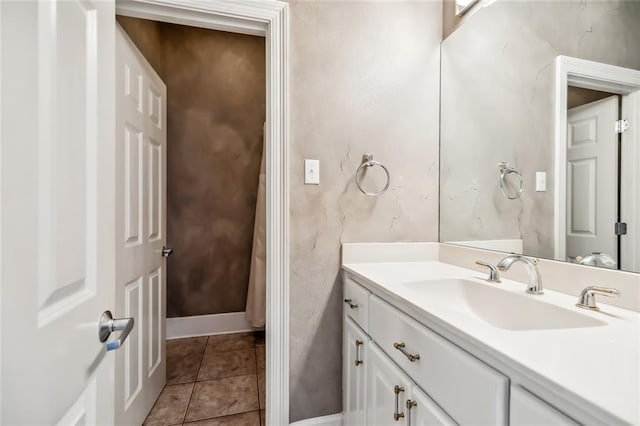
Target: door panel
x,y
155,320
155,202
592,180
58,223
582,193
133,184
140,202
133,347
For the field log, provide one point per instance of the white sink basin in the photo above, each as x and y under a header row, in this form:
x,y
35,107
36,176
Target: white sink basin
x,y
500,308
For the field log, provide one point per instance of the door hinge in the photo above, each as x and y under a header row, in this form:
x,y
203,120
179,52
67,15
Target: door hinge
x,y
620,228
622,126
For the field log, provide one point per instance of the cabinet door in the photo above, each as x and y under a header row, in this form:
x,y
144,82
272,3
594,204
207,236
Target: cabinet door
x,y
387,388
355,343
528,410
422,411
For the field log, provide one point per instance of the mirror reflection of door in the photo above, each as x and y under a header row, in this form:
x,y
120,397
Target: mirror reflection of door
x,y
592,180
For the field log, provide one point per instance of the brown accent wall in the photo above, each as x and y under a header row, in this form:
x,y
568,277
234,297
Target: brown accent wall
x,y
215,114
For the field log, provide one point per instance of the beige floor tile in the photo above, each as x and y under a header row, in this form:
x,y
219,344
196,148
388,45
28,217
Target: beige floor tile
x,y
183,359
260,357
223,397
245,419
216,365
262,390
231,342
171,406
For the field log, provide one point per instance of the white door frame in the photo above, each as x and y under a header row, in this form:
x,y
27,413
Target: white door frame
x,y
588,75
269,19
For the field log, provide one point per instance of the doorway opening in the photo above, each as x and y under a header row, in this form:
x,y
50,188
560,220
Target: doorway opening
x,y
597,107
192,102
268,20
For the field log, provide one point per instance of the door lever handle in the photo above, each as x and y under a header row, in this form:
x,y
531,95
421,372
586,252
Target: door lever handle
x,y
166,251
108,324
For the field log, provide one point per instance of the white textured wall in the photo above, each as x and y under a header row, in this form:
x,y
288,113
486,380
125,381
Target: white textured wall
x,y
364,78
497,105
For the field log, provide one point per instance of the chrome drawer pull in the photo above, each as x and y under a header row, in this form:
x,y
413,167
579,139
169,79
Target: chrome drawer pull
x,y
410,405
401,348
350,303
358,344
398,415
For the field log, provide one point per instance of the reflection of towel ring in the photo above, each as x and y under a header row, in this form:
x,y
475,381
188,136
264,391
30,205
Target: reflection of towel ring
x,y
367,161
505,170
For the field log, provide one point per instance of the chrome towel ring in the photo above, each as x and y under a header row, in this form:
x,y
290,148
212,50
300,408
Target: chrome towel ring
x,y
367,162
506,170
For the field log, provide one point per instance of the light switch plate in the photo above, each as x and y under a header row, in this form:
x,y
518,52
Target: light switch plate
x,y
312,172
541,181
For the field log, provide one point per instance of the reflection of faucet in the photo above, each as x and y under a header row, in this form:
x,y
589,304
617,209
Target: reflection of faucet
x,y
535,280
597,259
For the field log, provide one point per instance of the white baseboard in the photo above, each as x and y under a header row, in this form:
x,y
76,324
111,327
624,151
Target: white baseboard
x,y
331,420
207,325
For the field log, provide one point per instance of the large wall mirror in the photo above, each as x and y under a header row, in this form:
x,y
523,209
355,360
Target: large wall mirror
x,y
540,131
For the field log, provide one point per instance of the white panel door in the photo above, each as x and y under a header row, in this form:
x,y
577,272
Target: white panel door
x,y
387,389
141,152
630,185
354,346
58,221
592,179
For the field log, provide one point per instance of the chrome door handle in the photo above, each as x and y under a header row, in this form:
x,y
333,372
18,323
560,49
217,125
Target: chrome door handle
x,y
401,348
350,303
358,344
397,415
108,324
166,251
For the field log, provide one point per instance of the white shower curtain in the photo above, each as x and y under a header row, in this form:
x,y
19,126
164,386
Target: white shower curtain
x,y
257,294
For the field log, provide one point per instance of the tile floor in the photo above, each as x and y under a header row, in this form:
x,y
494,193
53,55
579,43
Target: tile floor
x,y
213,381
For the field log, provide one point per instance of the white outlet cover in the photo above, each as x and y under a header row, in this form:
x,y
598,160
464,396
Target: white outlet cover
x,y
541,181
312,172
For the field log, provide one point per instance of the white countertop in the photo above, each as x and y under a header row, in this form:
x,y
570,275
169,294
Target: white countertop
x,y
597,367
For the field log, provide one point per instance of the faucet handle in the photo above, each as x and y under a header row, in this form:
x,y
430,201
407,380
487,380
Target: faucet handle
x,y
494,275
587,298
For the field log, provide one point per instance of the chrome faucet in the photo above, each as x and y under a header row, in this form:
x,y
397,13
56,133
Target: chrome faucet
x,y
535,280
494,275
587,299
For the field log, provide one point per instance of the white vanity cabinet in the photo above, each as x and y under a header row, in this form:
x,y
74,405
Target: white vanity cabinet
x,y
392,398
527,409
378,378
397,371
469,390
355,344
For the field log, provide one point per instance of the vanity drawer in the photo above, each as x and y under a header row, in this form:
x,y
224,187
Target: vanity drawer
x,y
470,391
356,302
